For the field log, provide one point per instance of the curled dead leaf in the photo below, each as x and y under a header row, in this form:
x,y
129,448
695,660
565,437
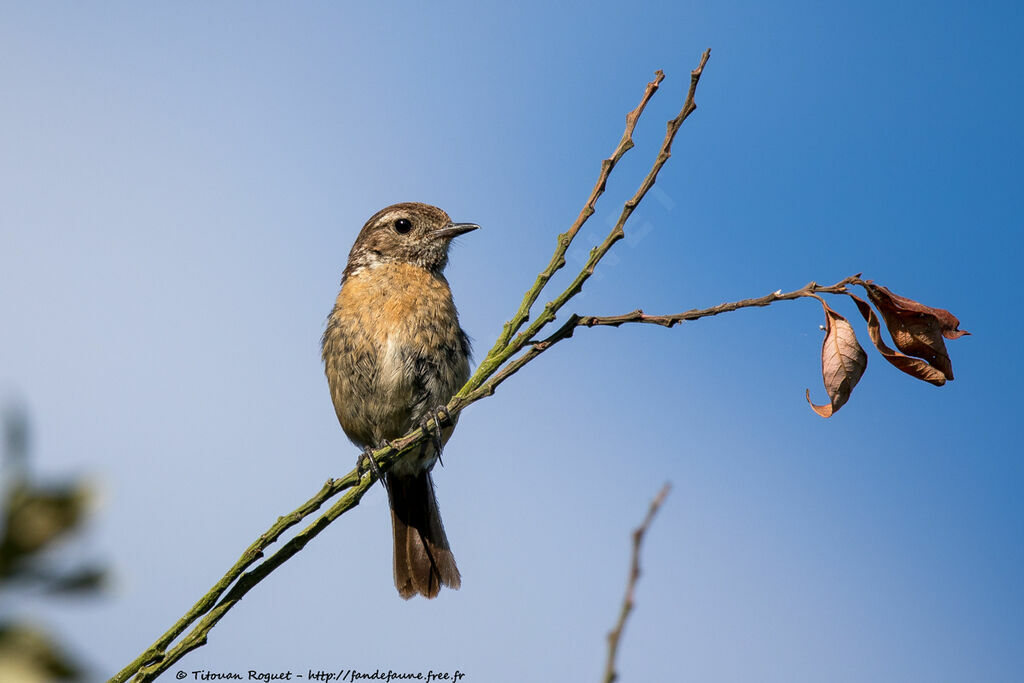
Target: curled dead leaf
x,y
917,330
843,362
912,366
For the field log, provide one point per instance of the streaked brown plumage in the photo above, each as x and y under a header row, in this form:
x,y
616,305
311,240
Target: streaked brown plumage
x,y
393,352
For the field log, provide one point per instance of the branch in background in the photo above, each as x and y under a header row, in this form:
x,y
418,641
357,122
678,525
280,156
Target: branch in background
x,y
615,636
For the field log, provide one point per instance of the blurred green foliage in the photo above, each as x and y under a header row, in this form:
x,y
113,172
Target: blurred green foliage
x,y
36,518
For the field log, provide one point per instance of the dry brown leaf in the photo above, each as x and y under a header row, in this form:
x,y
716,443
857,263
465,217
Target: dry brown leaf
x,y
912,366
843,361
917,330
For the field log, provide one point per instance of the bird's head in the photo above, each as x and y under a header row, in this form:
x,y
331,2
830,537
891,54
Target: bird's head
x,y
406,233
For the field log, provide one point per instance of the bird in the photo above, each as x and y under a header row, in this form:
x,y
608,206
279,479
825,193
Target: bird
x,y
394,355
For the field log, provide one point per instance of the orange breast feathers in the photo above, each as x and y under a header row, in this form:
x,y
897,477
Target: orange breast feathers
x,y
403,302
393,349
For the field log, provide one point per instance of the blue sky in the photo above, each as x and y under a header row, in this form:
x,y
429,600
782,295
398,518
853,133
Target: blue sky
x,y
179,189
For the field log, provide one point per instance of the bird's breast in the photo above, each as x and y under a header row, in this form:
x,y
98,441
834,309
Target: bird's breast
x,y
399,301
393,349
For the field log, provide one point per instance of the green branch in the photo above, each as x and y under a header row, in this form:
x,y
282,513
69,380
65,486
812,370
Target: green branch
x,y
192,630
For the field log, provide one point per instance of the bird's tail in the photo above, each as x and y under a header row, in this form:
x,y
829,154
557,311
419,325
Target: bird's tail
x,y
423,560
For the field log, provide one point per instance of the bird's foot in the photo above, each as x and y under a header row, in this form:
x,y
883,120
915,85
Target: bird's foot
x,y
441,418
367,457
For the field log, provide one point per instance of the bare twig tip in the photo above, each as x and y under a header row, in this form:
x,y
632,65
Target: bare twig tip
x,y
634,574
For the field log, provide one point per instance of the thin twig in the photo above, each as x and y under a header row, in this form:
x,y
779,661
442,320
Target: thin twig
x,y
617,232
253,553
157,657
615,636
566,238
811,289
197,636
500,353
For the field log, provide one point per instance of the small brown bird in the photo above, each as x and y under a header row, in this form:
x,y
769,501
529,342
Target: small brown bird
x,y
394,354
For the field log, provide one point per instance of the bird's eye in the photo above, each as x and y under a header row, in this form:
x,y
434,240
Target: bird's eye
x,y
403,225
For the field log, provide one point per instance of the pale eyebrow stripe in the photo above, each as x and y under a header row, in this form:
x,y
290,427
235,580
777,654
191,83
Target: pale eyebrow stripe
x,y
391,215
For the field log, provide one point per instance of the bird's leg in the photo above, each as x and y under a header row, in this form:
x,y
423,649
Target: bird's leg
x,y
440,415
367,455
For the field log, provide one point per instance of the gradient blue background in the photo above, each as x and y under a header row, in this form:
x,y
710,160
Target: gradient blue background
x,y
179,188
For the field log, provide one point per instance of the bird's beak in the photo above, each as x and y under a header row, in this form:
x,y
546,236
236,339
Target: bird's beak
x,y
454,230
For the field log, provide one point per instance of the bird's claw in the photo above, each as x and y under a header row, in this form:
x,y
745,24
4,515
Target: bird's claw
x,y
367,456
441,416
